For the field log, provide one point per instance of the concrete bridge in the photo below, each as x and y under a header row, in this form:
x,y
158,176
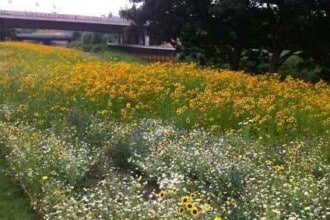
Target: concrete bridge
x,y
36,20
54,21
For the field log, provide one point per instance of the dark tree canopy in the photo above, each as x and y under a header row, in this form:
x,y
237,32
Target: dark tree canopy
x,y
233,31
287,26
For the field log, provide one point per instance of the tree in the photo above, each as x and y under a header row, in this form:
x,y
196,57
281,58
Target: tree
x,y
211,28
160,17
227,30
284,27
316,47
89,38
233,28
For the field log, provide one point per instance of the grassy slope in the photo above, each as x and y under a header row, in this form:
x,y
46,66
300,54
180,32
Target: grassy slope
x,y
13,204
4,199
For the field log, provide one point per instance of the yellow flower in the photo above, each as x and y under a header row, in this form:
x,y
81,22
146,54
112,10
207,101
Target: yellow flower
x,y
292,159
91,214
180,210
194,211
232,201
161,194
184,199
60,154
279,167
23,107
103,112
268,162
172,191
168,133
217,218
208,207
7,117
192,195
237,154
179,111
189,205
44,178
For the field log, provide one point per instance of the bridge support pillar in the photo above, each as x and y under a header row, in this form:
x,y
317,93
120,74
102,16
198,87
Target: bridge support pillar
x,y
120,38
146,40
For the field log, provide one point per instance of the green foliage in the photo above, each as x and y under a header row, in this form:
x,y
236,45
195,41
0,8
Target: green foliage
x,y
90,42
120,154
75,44
92,38
295,67
86,47
98,48
119,56
102,52
96,43
76,35
87,38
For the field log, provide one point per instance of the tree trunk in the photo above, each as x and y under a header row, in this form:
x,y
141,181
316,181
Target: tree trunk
x,y
275,59
234,58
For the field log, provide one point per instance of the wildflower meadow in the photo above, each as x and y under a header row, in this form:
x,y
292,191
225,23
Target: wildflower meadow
x,y
93,139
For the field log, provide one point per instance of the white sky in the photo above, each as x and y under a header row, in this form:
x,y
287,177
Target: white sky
x,y
78,7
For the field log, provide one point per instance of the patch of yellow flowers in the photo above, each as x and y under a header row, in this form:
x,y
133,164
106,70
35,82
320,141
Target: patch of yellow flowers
x,y
188,204
194,97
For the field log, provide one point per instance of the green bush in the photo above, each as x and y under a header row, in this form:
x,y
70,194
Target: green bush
x,y
294,66
75,44
86,47
98,48
87,38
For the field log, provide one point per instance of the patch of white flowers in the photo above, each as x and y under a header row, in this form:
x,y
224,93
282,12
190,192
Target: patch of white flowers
x,y
165,173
